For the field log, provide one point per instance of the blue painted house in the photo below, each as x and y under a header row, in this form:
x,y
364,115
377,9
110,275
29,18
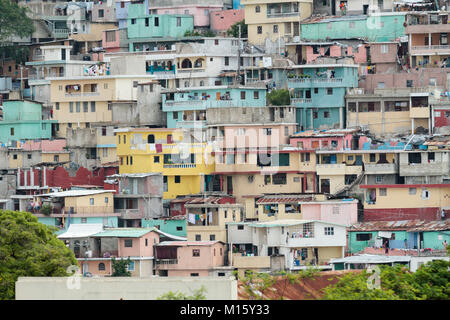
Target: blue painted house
x,y
173,226
318,92
22,120
404,234
187,108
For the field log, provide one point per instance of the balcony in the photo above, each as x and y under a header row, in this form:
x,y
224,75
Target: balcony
x,y
186,124
419,112
425,169
301,101
283,14
337,169
130,214
181,165
316,82
430,50
164,263
160,70
381,168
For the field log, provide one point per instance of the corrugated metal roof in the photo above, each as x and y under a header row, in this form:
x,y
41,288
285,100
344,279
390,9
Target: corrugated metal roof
x,y
81,230
284,199
123,232
188,243
408,225
74,193
289,222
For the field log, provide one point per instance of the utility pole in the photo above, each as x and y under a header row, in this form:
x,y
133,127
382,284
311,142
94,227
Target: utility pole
x,y
238,77
21,82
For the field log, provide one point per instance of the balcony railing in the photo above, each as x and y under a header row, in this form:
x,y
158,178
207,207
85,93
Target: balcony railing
x,y
316,80
282,14
183,165
300,100
166,261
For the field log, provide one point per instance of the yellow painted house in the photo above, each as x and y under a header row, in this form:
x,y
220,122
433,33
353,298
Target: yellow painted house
x,y
184,165
274,19
81,101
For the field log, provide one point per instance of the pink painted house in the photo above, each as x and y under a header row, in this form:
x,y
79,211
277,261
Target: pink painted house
x,y
188,258
341,211
335,139
201,13
330,49
95,250
221,21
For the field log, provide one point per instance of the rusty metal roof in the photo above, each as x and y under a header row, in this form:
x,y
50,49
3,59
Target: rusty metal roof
x,y
401,225
284,199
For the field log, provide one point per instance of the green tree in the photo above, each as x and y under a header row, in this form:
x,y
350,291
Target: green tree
x,y
234,30
279,97
29,249
120,267
14,21
199,294
429,282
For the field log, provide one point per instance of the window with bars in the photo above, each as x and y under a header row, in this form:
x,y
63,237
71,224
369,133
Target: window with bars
x,y
329,231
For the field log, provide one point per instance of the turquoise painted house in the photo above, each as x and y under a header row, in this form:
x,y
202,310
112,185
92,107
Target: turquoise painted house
x,y
141,25
187,108
22,120
406,234
318,93
111,221
376,28
175,227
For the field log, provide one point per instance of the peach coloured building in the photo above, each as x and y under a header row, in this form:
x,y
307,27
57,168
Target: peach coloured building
x,y
94,250
221,21
188,258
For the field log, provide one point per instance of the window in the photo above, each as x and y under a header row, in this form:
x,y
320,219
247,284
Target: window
x,y
177,179
57,106
92,106
91,201
412,191
329,231
379,179
146,242
178,22
425,194
101,13
101,266
29,156
329,91
198,237
326,114
221,274
175,115
196,252
83,220
133,21
227,61
55,158
212,237
242,95
380,85
15,156
363,236
432,82
131,160
156,159
384,48
130,266
257,9
124,139
150,138
110,36
259,29
194,274
267,131
147,20
85,106
279,178
128,243
275,28
267,179
179,228
383,192
430,156
216,42
70,106
240,227
186,11
409,83
286,131
372,157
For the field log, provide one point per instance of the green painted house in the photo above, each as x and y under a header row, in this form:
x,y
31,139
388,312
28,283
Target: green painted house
x,y
405,234
175,227
140,24
376,28
22,120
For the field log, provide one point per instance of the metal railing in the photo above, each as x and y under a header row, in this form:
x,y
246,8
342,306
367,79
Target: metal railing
x,y
178,166
166,261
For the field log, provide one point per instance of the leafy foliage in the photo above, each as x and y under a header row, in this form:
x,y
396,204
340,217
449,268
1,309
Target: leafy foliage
x,y
46,209
234,30
429,282
120,267
199,294
207,33
29,249
279,97
14,21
